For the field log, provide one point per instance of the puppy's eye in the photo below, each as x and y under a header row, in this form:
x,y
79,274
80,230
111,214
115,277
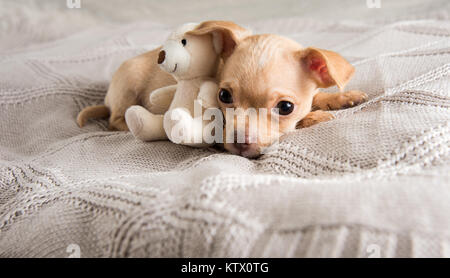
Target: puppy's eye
x,y
225,96
285,107
183,42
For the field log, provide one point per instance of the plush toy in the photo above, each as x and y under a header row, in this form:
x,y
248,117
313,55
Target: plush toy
x,y
193,60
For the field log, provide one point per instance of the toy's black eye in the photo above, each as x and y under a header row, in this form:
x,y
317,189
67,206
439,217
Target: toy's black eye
x,y
183,42
225,96
285,107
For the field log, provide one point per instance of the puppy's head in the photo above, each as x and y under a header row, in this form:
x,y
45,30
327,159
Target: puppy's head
x,y
269,82
193,51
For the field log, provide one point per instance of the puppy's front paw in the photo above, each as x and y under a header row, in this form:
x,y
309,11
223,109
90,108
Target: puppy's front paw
x,y
133,120
313,118
350,98
335,101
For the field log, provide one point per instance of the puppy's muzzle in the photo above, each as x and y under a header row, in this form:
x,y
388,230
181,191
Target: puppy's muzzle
x,y
161,57
246,148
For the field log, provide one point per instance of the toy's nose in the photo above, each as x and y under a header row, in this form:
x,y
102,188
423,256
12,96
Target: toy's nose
x,y
161,57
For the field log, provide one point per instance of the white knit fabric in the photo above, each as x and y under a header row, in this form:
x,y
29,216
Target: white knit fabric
x,y
374,182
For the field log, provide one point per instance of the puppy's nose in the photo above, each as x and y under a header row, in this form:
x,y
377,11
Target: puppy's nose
x,y
161,57
242,146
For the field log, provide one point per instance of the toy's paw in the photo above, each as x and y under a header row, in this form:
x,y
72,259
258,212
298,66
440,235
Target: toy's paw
x,y
209,86
313,118
134,120
163,96
208,94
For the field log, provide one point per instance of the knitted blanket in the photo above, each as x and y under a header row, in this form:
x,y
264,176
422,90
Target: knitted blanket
x,y
374,182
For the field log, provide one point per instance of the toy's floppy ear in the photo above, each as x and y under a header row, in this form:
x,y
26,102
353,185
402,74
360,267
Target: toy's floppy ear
x,y
327,67
226,35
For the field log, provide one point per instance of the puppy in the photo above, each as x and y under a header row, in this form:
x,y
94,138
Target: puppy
x,y
135,80
279,75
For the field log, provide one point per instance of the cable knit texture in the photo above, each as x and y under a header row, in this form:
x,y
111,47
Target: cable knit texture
x,y
372,182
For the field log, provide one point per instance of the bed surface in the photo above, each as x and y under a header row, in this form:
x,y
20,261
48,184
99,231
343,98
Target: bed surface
x,y
372,182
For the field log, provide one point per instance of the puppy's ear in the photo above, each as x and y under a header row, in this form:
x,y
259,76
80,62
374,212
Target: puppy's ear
x,y
226,35
327,68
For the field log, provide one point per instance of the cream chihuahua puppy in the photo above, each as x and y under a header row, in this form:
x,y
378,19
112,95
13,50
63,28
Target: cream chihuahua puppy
x,y
259,71
279,75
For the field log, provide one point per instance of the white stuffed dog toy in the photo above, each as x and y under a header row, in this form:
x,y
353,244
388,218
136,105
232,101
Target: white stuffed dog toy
x,y
193,60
